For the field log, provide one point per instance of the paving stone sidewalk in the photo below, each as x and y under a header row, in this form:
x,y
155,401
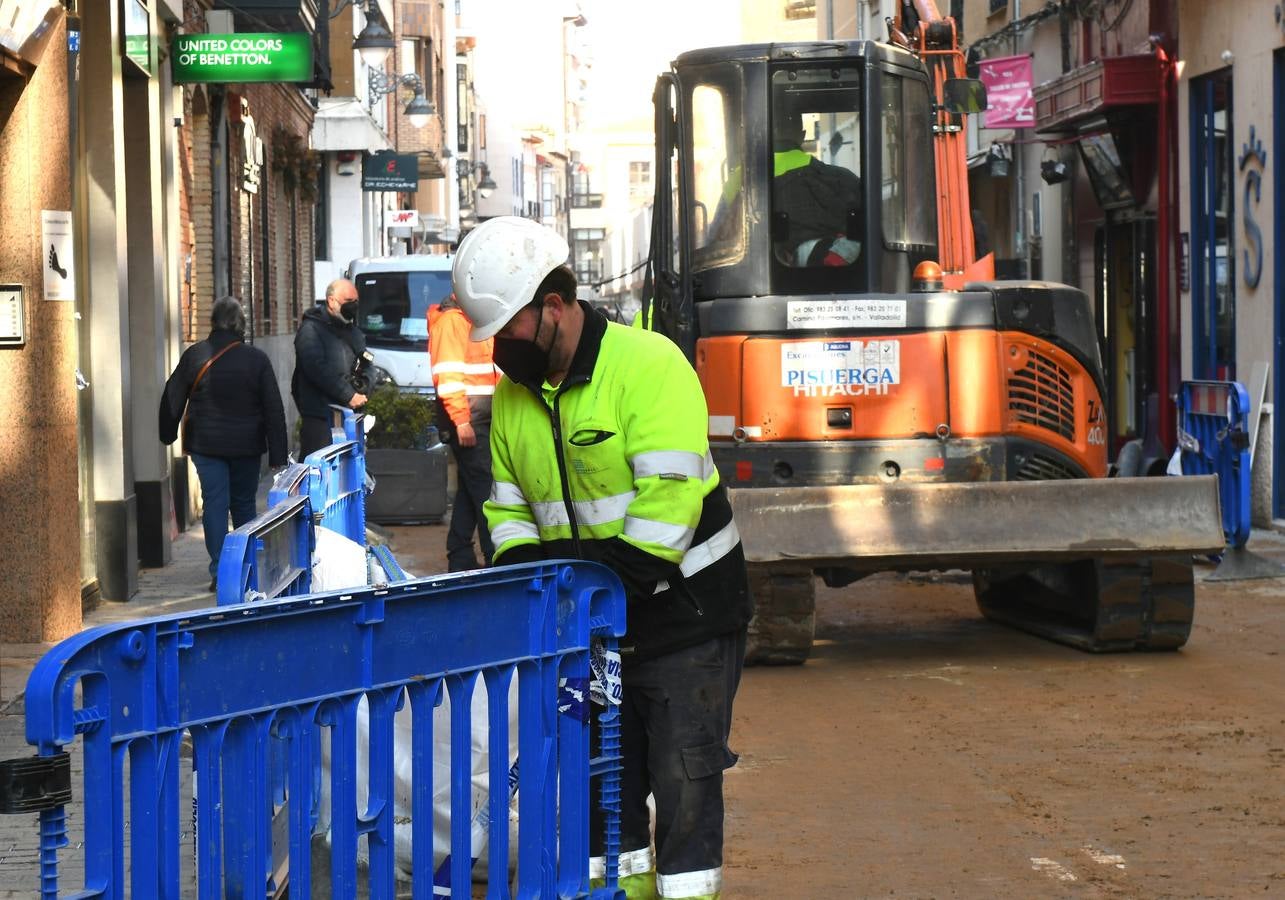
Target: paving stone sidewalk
x,y
180,586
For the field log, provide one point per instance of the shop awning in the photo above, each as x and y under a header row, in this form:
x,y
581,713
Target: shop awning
x,y
988,138
342,123
1086,94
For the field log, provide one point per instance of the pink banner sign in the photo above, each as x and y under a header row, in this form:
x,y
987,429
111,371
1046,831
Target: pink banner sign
x,y
1010,103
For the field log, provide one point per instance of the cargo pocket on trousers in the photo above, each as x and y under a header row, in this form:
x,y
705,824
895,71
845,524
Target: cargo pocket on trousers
x,y
709,759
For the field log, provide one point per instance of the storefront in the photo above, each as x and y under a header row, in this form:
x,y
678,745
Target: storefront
x,y
1231,95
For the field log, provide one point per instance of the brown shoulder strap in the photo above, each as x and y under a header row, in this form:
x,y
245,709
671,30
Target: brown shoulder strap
x,y
209,362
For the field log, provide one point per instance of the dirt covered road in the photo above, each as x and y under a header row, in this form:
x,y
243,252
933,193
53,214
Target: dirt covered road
x,y
925,752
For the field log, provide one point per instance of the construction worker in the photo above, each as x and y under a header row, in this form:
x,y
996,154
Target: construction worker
x,y
464,376
815,203
599,451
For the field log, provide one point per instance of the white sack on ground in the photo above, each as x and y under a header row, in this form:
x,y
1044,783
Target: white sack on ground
x,y
335,568
337,562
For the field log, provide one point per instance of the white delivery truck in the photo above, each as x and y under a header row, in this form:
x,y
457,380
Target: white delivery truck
x,y
393,297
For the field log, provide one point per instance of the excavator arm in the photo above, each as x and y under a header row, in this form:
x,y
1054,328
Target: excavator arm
x,y
921,28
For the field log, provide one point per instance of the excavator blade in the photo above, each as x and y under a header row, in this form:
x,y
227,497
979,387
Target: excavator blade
x,y
1096,564
978,524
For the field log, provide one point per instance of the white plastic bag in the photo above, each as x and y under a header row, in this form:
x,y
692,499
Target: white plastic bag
x,y
337,562
335,567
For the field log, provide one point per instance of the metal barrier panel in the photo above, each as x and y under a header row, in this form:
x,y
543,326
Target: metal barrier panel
x,y
232,678
1213,421
270,556
339,495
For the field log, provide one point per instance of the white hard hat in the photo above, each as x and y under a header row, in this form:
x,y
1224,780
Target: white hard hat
x,y
498,267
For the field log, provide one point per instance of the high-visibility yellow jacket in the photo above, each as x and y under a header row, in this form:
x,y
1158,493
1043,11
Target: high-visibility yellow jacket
x,y
613,465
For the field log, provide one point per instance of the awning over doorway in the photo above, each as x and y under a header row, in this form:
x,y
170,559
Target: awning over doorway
x,y
342,123
1090,92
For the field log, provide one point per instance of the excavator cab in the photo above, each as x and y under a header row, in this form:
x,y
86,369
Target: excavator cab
x,y
807,193
864,418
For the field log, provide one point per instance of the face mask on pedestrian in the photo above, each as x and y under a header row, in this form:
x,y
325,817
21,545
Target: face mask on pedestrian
x,y
526,362
348,310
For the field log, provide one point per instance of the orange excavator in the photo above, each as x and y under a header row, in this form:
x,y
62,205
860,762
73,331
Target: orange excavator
x,y
876,400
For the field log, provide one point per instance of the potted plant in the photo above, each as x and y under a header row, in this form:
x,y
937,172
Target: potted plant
x,y
406,459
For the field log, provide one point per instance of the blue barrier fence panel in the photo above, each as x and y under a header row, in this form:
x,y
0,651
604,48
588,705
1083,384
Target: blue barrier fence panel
x,y
270,556
231,679
339,494
1214,438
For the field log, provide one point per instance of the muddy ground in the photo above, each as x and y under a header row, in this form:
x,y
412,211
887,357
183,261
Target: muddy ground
x,y
925,752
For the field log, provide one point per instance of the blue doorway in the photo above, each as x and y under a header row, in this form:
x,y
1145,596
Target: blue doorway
x,y
1278,289
1213,253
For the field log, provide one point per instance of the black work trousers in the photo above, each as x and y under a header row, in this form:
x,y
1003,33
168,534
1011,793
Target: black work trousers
x,y
314,433
675,718
473,486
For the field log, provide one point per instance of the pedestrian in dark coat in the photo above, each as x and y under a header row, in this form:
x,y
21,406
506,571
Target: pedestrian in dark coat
x,y
326,349
233,415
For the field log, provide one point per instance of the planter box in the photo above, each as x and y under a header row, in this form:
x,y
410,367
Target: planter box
x,y
410,486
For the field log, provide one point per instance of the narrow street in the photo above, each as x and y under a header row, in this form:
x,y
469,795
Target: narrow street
x,y
925,752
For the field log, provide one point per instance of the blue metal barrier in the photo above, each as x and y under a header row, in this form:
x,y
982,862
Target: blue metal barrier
x,y
230,680
270,556
1214,438
339,495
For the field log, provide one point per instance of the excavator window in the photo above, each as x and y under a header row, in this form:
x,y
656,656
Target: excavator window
x,y
817,206
718,176
909,212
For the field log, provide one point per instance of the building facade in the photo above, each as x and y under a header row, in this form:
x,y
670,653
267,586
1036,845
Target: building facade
x,y
133,202
1230,125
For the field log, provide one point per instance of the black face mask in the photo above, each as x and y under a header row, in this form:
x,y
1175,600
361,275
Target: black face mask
x,y
526,362
348,311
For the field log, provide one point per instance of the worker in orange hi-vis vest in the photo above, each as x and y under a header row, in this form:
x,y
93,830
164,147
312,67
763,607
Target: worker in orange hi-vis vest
x,y
464,375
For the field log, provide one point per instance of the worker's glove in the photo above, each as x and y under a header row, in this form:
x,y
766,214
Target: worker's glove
x,y
522,553
637,569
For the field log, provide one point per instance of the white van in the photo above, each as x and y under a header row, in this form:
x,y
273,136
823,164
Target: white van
x,y
393,297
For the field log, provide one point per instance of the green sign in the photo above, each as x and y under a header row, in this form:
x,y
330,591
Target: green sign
x,y
241,58
138,35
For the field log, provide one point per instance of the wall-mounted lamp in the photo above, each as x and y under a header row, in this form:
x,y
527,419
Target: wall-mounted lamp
x,y
419,110
374,42
1054,171
999,157
486,186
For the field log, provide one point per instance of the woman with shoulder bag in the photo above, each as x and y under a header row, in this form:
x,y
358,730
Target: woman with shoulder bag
x,y
224,395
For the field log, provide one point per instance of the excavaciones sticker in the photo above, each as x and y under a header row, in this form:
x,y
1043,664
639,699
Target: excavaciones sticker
x,y
840,368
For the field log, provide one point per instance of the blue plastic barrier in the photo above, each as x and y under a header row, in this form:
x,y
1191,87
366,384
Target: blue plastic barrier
x,y
339,495
1213,435
270,556
230,680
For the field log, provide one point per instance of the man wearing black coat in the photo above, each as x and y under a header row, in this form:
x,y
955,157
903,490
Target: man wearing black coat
x,y
326,348
234,413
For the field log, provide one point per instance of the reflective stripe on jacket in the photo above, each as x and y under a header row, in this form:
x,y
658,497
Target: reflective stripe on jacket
x,y
463,371
620,450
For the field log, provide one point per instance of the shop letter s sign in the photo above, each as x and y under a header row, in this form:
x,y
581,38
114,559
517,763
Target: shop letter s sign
x,y
1253,150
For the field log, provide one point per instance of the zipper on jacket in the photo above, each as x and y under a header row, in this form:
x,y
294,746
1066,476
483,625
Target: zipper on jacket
x,y
555,419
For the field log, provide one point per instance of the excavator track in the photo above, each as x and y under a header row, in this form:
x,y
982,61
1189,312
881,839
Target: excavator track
x,y
1099,605
784,623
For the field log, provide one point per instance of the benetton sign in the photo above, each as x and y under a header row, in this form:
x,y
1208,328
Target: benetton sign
x,y
241,58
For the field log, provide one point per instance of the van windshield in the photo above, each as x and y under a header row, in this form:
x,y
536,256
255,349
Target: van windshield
x,y
392,307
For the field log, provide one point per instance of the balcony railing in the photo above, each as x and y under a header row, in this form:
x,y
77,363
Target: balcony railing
x,y
586,201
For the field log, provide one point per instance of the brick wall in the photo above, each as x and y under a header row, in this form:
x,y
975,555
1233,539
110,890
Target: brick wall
x,y
275,273
421,21
195,203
